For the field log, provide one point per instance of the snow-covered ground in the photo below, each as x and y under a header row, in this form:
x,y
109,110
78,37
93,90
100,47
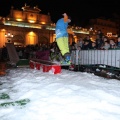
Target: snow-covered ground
x,y
66,96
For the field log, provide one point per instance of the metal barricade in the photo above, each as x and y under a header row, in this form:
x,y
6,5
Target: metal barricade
x,y
110,58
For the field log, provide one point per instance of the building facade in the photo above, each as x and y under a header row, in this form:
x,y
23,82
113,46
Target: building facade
x,y
29,27
108,27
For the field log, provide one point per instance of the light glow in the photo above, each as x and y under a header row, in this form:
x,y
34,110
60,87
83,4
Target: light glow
x,y
19,19
43,23
31,21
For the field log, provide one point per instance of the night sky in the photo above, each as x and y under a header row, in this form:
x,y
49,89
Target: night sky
x,y
80,11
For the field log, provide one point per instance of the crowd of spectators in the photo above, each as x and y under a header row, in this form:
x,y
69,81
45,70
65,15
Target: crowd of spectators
x,y
101,43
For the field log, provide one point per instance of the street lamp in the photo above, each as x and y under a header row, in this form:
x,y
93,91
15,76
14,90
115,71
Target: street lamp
x,y
9,36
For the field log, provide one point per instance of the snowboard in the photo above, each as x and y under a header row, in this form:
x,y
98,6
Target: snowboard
x,y
58,59
48,62
61,63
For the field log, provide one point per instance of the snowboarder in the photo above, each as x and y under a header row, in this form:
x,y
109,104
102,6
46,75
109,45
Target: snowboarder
x,y
62,32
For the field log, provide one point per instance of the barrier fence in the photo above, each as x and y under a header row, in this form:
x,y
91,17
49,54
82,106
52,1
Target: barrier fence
x,y
109,58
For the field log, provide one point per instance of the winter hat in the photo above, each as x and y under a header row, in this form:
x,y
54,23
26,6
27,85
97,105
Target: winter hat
x,y
69,18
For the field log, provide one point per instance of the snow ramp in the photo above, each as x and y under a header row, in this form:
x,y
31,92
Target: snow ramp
x,y
13,56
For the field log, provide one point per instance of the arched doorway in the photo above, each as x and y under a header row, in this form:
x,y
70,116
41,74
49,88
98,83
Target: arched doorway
x,y
18,40
31,38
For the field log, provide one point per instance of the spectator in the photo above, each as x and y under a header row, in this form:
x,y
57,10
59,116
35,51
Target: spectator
x,y
88,42
106,45
79,43
86,45
118,42
99,42
94,46
112,44
100,34
73,42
